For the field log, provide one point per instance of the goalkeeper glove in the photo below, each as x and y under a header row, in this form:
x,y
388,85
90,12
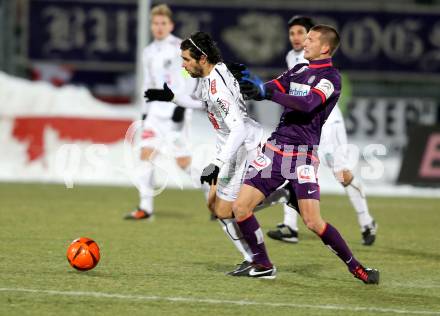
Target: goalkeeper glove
x,y
164,94
253,88
239,71
210,174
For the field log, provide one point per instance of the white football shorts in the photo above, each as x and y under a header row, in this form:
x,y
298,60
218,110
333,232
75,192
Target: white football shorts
x,y
333,148
166,136
232,174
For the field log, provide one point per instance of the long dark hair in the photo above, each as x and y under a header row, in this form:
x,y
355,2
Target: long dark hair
x,y
201,43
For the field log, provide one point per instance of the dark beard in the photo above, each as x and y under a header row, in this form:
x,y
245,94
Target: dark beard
x,y
197,72
194,75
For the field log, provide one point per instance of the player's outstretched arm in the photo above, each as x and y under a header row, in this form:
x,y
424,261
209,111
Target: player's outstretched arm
x,y
167,95
188,101
318,95
300,103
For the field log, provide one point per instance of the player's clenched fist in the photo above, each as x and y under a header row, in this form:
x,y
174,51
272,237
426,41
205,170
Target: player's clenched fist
x,y
164,94
210,174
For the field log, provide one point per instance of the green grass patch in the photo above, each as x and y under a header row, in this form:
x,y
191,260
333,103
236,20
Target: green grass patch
x,y
181,254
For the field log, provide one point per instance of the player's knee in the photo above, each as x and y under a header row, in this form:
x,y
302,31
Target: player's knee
x,y
308,223
347,176
311,224
241,210
183,162
344,177
339,176
223,213
147,153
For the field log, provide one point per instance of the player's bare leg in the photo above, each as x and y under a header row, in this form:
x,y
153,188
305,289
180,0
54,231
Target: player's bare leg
x,y
145,186
287,230
223,211
354,190
183,162
248,198
310,212
223,208
211,197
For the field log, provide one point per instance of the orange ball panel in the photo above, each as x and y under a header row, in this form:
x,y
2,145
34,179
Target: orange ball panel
x,y
83,254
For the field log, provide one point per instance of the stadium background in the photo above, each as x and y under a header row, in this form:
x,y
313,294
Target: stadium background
x,y
68,95
390,58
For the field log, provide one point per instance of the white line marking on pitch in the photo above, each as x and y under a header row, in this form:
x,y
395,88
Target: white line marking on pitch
x,y
218,301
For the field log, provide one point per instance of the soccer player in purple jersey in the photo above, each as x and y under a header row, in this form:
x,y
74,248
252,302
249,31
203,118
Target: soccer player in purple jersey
x,y
332,146
308,94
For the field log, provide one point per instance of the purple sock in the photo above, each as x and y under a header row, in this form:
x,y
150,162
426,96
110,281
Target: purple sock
x,y
332,239
254,237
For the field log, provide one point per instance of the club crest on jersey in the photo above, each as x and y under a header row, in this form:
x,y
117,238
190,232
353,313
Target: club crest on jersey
x,y
213,87
224,105
306,174
311,79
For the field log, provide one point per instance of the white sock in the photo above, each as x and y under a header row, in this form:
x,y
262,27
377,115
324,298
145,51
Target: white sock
x,y
145,187
231,230
359,202
290,217
279,196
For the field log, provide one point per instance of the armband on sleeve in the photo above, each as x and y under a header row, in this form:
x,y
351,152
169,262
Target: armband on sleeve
x,y
324,89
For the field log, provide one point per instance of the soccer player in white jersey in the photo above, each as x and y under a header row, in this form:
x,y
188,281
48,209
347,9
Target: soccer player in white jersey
x,y
164,124
238,136
332,147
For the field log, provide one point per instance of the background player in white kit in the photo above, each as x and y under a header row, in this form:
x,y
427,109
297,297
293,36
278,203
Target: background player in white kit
x,y
332,147
165,127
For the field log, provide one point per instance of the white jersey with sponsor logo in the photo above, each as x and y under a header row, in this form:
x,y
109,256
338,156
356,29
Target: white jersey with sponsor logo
x,y
228,114
294,58
162,64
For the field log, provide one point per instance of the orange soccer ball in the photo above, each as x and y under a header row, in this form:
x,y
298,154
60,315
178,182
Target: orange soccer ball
x,y
83,254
